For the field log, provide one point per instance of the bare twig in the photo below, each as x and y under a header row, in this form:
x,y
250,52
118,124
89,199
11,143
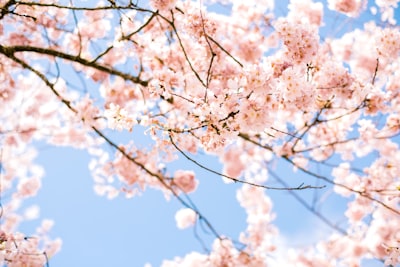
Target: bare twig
x,y
225,51
376,71
300,187
360,193
184,50
153,15
307,206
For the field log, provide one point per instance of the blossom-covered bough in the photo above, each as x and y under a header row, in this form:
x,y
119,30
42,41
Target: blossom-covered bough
x,y
243,84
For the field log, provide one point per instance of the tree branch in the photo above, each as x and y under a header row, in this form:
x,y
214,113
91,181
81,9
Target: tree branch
x,y
300,187
11,50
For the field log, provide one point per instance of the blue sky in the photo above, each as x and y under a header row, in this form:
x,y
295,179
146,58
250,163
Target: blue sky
x,y
120,232
131,232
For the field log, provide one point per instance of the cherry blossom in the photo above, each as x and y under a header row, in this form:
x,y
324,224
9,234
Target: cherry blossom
x,y
301,41
185,218
394,257
163,5
263,89
118,118
350,8
185,180
387,10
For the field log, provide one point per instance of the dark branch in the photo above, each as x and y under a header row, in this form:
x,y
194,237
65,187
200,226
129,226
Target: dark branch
x,y
300,187
9,51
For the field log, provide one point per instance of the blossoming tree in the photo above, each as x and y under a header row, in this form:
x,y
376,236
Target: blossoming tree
x,y
230,79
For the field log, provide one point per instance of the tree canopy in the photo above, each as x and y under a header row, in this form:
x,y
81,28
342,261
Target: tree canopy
x,y
315,85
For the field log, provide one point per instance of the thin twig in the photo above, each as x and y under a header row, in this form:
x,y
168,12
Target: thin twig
x,y
376,71
153,15
307,206
360,193
300,187
184,50
225,51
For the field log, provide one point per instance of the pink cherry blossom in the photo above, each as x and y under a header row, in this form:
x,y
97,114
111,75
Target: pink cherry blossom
x,y
292,101
301,41
29,187
350,8
162,5
394,256
185,180
388,42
